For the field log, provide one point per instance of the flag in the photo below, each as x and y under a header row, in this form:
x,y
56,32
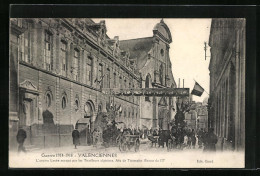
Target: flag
x,y
197,90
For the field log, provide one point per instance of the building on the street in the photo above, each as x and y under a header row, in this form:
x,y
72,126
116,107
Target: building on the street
x,y
58,68
151,56
202,116
227,81
197,116
191,115
190,119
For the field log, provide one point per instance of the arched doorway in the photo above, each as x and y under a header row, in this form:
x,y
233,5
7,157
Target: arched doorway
x,y
84,125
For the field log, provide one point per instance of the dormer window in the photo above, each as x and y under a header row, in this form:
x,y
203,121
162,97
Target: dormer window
x,y
103,32
162,52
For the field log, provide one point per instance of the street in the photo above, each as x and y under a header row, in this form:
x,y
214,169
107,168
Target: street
x,y
147,156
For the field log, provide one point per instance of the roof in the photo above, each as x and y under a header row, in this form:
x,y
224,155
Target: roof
x,y
138,49
163,31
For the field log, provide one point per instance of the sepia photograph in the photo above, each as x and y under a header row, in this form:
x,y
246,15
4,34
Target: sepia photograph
x,y
127,92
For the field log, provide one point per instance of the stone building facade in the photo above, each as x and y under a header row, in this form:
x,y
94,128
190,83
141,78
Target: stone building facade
x,y
151,55
58,69
227,81
202,116
191,116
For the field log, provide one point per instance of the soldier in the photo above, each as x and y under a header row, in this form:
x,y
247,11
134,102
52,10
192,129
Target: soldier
x,y
210,141
21,136
189,138
161,138
193,139
96,136
200,136
75,136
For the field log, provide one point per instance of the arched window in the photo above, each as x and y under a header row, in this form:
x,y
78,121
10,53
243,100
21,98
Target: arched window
x,y
48,100
147,82
76,105
88,110
63,102
162,52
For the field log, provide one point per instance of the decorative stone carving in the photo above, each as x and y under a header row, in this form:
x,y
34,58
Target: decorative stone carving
x,y
28,85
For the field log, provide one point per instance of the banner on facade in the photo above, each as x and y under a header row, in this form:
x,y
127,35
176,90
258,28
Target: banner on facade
x,y
148,92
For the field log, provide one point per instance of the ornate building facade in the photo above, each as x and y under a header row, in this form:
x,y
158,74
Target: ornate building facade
x,y
227,81
151,55
58,68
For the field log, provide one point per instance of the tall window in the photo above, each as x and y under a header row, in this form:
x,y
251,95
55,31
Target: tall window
x,y
115,80
63,103
147,86
24,47
120,82
48,100
89,70
161,74
125,83
64,57
100,75
108,78
21,47
48,51
76,65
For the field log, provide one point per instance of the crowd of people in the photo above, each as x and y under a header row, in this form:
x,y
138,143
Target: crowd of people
x,y
187,138
181,137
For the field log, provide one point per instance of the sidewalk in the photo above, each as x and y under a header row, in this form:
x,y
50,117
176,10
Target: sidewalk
x,y
79,148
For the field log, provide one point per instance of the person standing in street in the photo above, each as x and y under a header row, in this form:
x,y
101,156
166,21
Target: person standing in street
x,y
200,136
20,137
95,137
210,141
75,136
189,139
193,139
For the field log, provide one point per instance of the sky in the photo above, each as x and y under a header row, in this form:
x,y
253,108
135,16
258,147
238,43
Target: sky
x,y
186,50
